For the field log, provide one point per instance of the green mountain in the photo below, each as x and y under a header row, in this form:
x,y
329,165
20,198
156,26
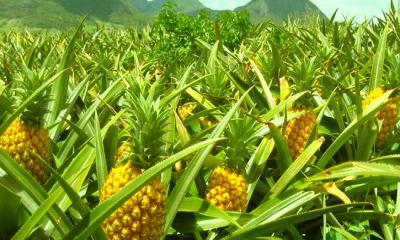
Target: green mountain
x,y
153,7
66,13
279,10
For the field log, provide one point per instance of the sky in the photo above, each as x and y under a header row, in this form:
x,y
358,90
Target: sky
x,y
360,9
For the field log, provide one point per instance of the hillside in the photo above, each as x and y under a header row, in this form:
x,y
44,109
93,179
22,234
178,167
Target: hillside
x,y
278,11
66,13
153,7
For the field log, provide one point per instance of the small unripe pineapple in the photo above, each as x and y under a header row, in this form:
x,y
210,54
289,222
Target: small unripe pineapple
x,y
227,189
387,115
20,139
142,216
298,131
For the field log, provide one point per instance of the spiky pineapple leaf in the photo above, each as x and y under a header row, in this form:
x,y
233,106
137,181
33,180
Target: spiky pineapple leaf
x,y
266,227
35,190
25,103
201,206
60,88
379,59
9,205
295,168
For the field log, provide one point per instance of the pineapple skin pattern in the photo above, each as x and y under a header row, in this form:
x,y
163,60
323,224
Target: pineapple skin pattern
x,y
298,131
227,190
387,115
124,149
143,215
20,139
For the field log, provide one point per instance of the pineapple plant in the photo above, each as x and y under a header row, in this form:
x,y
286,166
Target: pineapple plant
x,y
297,131
227,185
142,216
387,115
27,133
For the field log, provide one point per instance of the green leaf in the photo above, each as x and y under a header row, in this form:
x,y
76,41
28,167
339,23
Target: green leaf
x,y
284,160
277,207
9,204
354,169
199,205
60,88
379,59
268,227
101,162
256,165
295,168
267,91
33,188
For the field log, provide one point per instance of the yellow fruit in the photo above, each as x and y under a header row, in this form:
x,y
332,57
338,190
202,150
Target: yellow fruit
x,y
143,215
186,110
298,131
387,115
227,190
19,140
124,149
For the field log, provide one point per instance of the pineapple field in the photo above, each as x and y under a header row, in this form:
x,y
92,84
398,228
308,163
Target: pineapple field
x,y
202,127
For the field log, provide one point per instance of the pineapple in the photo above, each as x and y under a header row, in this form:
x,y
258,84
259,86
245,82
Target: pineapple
x,y
186,110
227,186
227,189
298,130
143,215
387,115
27,134
123,150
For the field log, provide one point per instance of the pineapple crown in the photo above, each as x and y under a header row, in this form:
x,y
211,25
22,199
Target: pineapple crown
x,y
25,86
241,135
304,79
392,78
147,118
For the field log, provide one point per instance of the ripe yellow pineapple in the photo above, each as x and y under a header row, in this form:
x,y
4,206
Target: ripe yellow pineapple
x,y
142,216
227,189
387,115
26,134
298,131
227,186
